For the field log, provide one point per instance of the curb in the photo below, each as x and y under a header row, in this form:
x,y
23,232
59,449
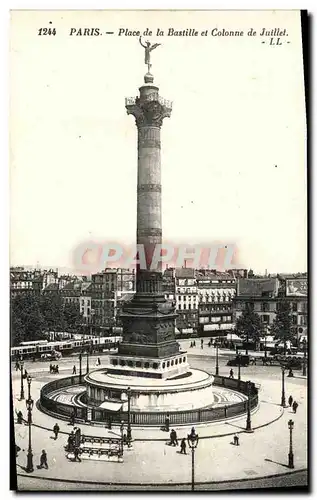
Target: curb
x,y
101,483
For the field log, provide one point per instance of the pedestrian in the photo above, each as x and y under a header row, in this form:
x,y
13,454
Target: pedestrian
x,y
56,430
295,406
191,344
290,401
173,437
231,373
51,367
72,419
167,423
74,370
71,442
99,362
290,373
183,446
236,440
17,366
43,460
76,454
25,374
194,344
121,427
77,437
209,343
192,432
56,368
20,417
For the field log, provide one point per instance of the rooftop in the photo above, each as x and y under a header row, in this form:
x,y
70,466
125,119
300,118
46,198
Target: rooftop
x,y
256,287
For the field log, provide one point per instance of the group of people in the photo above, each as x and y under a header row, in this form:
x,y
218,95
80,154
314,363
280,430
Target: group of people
x,y
54,368
292,404
173,436
73,445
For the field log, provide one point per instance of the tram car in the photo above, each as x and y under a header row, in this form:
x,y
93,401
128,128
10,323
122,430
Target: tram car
x,y
36,349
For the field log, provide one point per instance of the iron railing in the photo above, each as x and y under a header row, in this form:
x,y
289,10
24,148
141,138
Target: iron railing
x,y
98,415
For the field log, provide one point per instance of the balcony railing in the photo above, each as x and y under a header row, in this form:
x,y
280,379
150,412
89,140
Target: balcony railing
x,y
154,96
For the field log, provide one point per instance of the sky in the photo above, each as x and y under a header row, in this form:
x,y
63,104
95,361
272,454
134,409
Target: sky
x,y
233,151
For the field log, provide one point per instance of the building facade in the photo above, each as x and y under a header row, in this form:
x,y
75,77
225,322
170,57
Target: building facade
x,y
186,301
216,292
107,287
25,281
263,296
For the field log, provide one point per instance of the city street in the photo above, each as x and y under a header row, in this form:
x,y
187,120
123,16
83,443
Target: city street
x,y
217,460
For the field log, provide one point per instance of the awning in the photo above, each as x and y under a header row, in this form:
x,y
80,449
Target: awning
x,y
233,336
209,328
109,405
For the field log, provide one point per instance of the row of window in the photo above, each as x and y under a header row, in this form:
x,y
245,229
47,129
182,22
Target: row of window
x,y
22,284
186,298
186,306
216,298
271,306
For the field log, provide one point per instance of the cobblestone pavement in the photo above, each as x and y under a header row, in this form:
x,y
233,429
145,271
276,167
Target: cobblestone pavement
x,y
152,461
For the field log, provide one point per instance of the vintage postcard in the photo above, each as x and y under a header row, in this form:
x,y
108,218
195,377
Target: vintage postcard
x,y
158,250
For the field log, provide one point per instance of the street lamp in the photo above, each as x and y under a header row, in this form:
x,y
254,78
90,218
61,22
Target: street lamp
x,y
22,387
248,425
217,364
290,454
129,434
87,368
80,372
192,440
283,403
29,405
239,367
305,354
122,431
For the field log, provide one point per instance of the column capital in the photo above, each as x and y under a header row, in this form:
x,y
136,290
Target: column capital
x,y
149,110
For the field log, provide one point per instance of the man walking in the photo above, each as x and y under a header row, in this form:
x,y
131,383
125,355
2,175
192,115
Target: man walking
x,y
43,460
74,370
173,437
290,401
236,440
183,446
72,419
20,417
295,406
167,423
231,373
56,430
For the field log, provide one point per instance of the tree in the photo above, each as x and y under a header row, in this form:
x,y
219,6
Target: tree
x,y
282,324
249,325
53,314
72,316
26,318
